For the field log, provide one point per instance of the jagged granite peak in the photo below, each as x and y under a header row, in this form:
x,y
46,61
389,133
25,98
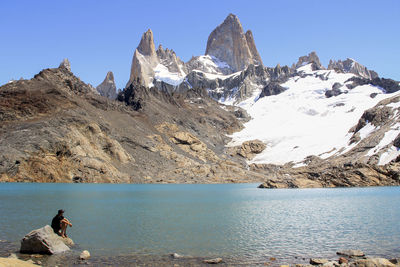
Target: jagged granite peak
x,y
310,58
253,49
107,88
144,60
65,64
146,46
229,44
169,59
351,66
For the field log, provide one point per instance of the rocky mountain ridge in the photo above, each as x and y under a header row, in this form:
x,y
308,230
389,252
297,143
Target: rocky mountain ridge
x,y
224,70
55,128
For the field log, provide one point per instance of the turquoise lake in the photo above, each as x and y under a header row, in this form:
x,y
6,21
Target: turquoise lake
x,y
234,221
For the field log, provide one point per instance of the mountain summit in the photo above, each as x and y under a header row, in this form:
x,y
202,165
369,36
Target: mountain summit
x,y
230,44
107,88
144,60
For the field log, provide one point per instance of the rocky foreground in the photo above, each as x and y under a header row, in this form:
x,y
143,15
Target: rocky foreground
x,y
346,258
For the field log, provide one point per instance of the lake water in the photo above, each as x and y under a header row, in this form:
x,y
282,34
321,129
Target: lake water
x,y
234,221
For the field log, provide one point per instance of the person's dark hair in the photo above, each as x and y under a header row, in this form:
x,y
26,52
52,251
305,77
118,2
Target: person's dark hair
x,y
60,211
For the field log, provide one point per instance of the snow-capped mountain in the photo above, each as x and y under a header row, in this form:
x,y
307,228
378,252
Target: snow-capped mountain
x,y
299,111
227,69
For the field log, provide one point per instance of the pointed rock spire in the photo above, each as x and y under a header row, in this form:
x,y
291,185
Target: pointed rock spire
x,y
229,44
144,60
253,49
146,46
65,64
107,88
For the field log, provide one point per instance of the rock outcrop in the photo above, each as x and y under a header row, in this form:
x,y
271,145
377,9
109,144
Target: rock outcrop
x,y
13,262
230,44
388,85
351,66
249,149
107,88
310,58
44,241
65,64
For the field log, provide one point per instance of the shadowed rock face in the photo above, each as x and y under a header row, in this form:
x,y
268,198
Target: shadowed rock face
x,y
107,88
228,43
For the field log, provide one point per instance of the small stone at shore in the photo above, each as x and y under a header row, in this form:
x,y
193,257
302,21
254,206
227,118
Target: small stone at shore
x,y
272,259
176,256
213,261
343,260
314,261
351,253
331,264
85,255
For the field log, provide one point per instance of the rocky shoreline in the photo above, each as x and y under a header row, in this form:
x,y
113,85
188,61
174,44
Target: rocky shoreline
x,y
344,258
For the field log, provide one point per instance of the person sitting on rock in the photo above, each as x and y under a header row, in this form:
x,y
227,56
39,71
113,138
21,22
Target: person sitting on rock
x,y
60,224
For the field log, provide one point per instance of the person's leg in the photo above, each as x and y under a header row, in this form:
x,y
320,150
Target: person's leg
x,y
63,228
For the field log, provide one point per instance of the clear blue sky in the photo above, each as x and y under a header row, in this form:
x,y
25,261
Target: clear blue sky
x,y
98,36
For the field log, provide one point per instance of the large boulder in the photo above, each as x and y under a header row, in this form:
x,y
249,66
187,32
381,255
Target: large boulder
x,y
44,241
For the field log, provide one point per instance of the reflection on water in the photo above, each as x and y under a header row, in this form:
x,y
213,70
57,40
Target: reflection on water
x,y
233,221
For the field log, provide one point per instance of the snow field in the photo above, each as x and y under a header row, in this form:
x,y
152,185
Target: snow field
x,y
302,121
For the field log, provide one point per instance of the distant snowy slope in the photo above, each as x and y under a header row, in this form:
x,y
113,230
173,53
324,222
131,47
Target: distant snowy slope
x,y
303,121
